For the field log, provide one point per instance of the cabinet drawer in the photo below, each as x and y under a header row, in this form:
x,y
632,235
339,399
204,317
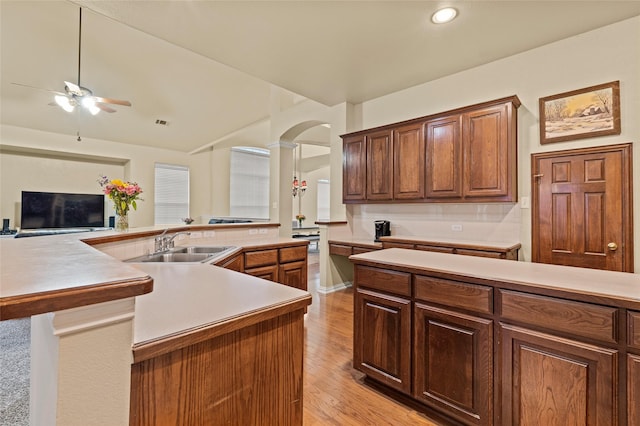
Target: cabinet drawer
x,y
360,250
340,250
454,294
633,319
382,279
576,318
438,249
253,259
387,245
291,254
480,253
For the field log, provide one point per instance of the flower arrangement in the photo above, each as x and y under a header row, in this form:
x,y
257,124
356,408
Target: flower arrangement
x,y
187,220
124,196
300,217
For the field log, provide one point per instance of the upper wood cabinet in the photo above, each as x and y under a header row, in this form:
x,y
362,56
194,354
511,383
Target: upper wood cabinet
x,y
408,162
444,157
489,143
379,165
354,166
464,155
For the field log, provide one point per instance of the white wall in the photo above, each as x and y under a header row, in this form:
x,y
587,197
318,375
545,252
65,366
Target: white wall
x,y
603,55
18,172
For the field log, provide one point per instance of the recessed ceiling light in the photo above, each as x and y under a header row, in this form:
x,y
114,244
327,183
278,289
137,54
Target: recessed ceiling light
x,y
444,15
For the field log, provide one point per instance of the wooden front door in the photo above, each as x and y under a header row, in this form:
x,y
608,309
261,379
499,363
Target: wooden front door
x,y
582,211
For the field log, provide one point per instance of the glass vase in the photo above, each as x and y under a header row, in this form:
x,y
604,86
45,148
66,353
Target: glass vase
x,y
122,222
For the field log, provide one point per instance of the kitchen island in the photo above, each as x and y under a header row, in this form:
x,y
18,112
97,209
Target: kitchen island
x,y
490,342
96,343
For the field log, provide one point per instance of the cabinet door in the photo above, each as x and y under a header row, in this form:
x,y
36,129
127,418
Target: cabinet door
x,y
382,338
379,166
444,158
408,162
453,363
633,390
354,169
267,272
293,274
490,153
553,381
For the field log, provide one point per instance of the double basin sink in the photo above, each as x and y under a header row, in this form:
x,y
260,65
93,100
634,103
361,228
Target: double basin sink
x,y
192,254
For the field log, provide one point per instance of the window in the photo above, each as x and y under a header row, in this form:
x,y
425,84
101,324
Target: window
x,y
249,183
323,200
171,193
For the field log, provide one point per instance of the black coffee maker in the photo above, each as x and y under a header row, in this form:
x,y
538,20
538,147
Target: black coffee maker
x,y
383,229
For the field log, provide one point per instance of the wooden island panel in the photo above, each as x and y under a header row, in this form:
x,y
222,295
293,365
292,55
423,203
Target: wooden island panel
x,y
250,376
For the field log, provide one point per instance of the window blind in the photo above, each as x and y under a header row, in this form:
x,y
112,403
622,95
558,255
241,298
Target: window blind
x,y
171,193
249,183
323,200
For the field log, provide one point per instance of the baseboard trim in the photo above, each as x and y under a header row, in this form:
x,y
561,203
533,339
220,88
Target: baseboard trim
x,y
337,287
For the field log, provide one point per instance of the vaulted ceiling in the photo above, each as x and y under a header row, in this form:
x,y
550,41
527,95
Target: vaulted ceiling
x,y
207,67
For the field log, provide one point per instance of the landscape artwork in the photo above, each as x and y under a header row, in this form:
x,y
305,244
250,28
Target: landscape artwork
x,y
584,113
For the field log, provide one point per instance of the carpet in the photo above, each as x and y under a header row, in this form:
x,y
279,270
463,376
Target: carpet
x,y
15,358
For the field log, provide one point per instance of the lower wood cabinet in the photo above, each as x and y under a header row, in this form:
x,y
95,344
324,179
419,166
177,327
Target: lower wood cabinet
x,y
633,390
269,272
235,263
548,380
284,265
478,353
293,274
453,363
382,334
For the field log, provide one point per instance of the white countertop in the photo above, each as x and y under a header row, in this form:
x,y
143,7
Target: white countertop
x,y
621,286
185,296
57,262
188,297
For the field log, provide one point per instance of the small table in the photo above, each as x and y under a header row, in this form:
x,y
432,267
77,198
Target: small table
x,y
311,233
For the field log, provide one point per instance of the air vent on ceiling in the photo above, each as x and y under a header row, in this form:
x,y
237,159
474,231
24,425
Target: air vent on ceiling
x,y
162,122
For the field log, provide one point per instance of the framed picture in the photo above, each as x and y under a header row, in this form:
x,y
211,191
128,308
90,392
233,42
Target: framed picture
x,y
584,113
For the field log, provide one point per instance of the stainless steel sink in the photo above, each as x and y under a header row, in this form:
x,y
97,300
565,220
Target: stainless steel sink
x,y
202,249
192,254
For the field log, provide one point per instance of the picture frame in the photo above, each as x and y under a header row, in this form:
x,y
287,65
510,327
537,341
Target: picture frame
x,y
583,113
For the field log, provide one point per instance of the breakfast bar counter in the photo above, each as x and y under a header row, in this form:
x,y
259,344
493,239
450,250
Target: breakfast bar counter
x,y
107,335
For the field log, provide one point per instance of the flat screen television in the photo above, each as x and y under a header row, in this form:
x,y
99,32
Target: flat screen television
x,y
61,210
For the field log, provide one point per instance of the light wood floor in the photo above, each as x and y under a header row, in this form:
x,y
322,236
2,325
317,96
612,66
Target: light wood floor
x,y
333,391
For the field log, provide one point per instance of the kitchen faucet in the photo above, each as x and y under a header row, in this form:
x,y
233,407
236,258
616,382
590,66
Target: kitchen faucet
x,y
163,243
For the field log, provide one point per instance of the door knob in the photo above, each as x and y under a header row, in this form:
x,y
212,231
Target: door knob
x,y
612,246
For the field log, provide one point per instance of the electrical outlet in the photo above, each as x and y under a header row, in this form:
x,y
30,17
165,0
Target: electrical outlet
x,y
253,231
263,230
524,203
196,235
456,228
209,234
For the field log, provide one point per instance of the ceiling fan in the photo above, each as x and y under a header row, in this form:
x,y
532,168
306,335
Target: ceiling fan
x,y
75,95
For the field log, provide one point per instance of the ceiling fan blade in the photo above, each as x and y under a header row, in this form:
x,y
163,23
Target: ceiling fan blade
x,y
40,88
104,107
112,101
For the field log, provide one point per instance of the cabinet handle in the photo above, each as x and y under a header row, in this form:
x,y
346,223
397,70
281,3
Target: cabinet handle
x,y
538,175
612,246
